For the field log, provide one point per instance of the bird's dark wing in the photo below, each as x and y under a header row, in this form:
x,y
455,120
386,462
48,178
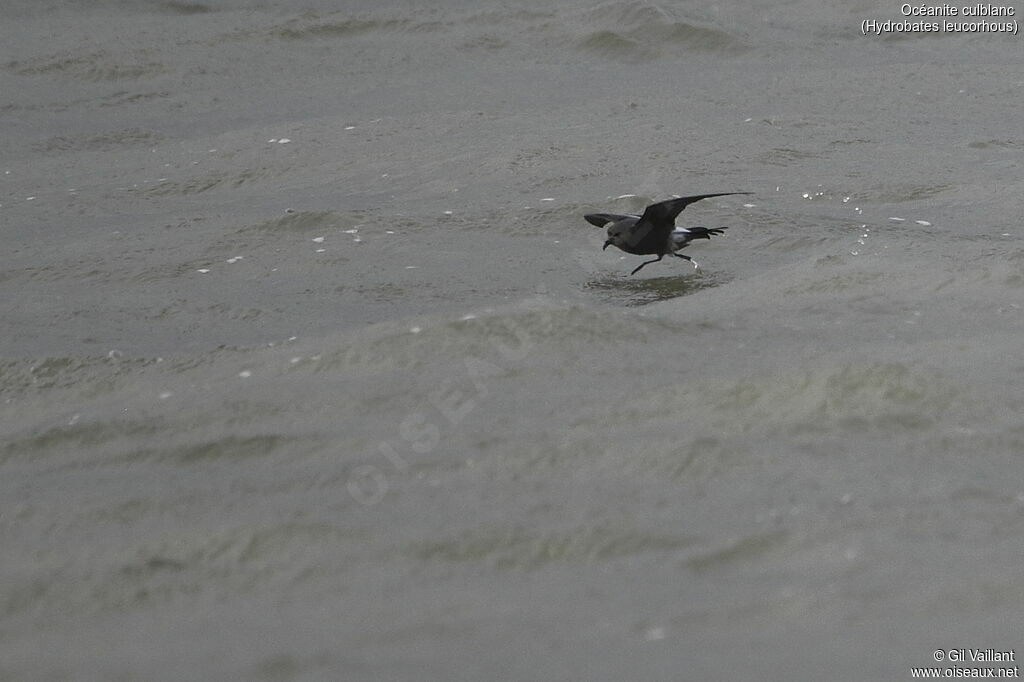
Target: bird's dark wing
x,y
666,211
602,219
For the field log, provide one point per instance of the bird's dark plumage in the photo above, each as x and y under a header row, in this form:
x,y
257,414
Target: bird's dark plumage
x,y
655,232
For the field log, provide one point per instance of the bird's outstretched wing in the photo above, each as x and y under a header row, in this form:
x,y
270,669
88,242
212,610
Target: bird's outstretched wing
x,y
602,219
666,211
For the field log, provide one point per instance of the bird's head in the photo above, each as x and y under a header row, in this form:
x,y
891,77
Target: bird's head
x,y
615,235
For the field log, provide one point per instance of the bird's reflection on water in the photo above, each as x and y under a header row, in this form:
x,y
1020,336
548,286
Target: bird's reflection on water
x,y
633,291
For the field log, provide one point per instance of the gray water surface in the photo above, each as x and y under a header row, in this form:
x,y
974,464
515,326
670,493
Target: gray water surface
x,y
311,369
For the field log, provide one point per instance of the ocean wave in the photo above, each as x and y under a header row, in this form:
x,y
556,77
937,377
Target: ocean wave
x,y
313,27
629,30
308,221
632,31
878,396
511,331
92,66
160,570
525,549
113,140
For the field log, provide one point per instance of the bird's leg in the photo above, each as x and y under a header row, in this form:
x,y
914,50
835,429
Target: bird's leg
x,y
679,255
647,262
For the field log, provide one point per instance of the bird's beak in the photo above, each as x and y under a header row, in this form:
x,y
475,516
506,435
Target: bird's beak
x,y
606,244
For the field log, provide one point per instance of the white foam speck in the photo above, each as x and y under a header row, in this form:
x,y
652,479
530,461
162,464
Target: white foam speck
x,y
389,231
448,212
923,222
203,270
272,140
557,242
350,127
318,240
411,267
235,259
548,199
749,205
245,374
415,330
212,151
29,198
295,360
164,395
352,231
283,140
320,250
896,220
654,634
357,239
293,338
625,196
469,316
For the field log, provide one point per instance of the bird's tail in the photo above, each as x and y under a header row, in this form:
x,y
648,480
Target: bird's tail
x,y
702,232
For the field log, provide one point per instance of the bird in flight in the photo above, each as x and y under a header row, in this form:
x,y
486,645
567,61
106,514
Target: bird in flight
x,y
655,231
